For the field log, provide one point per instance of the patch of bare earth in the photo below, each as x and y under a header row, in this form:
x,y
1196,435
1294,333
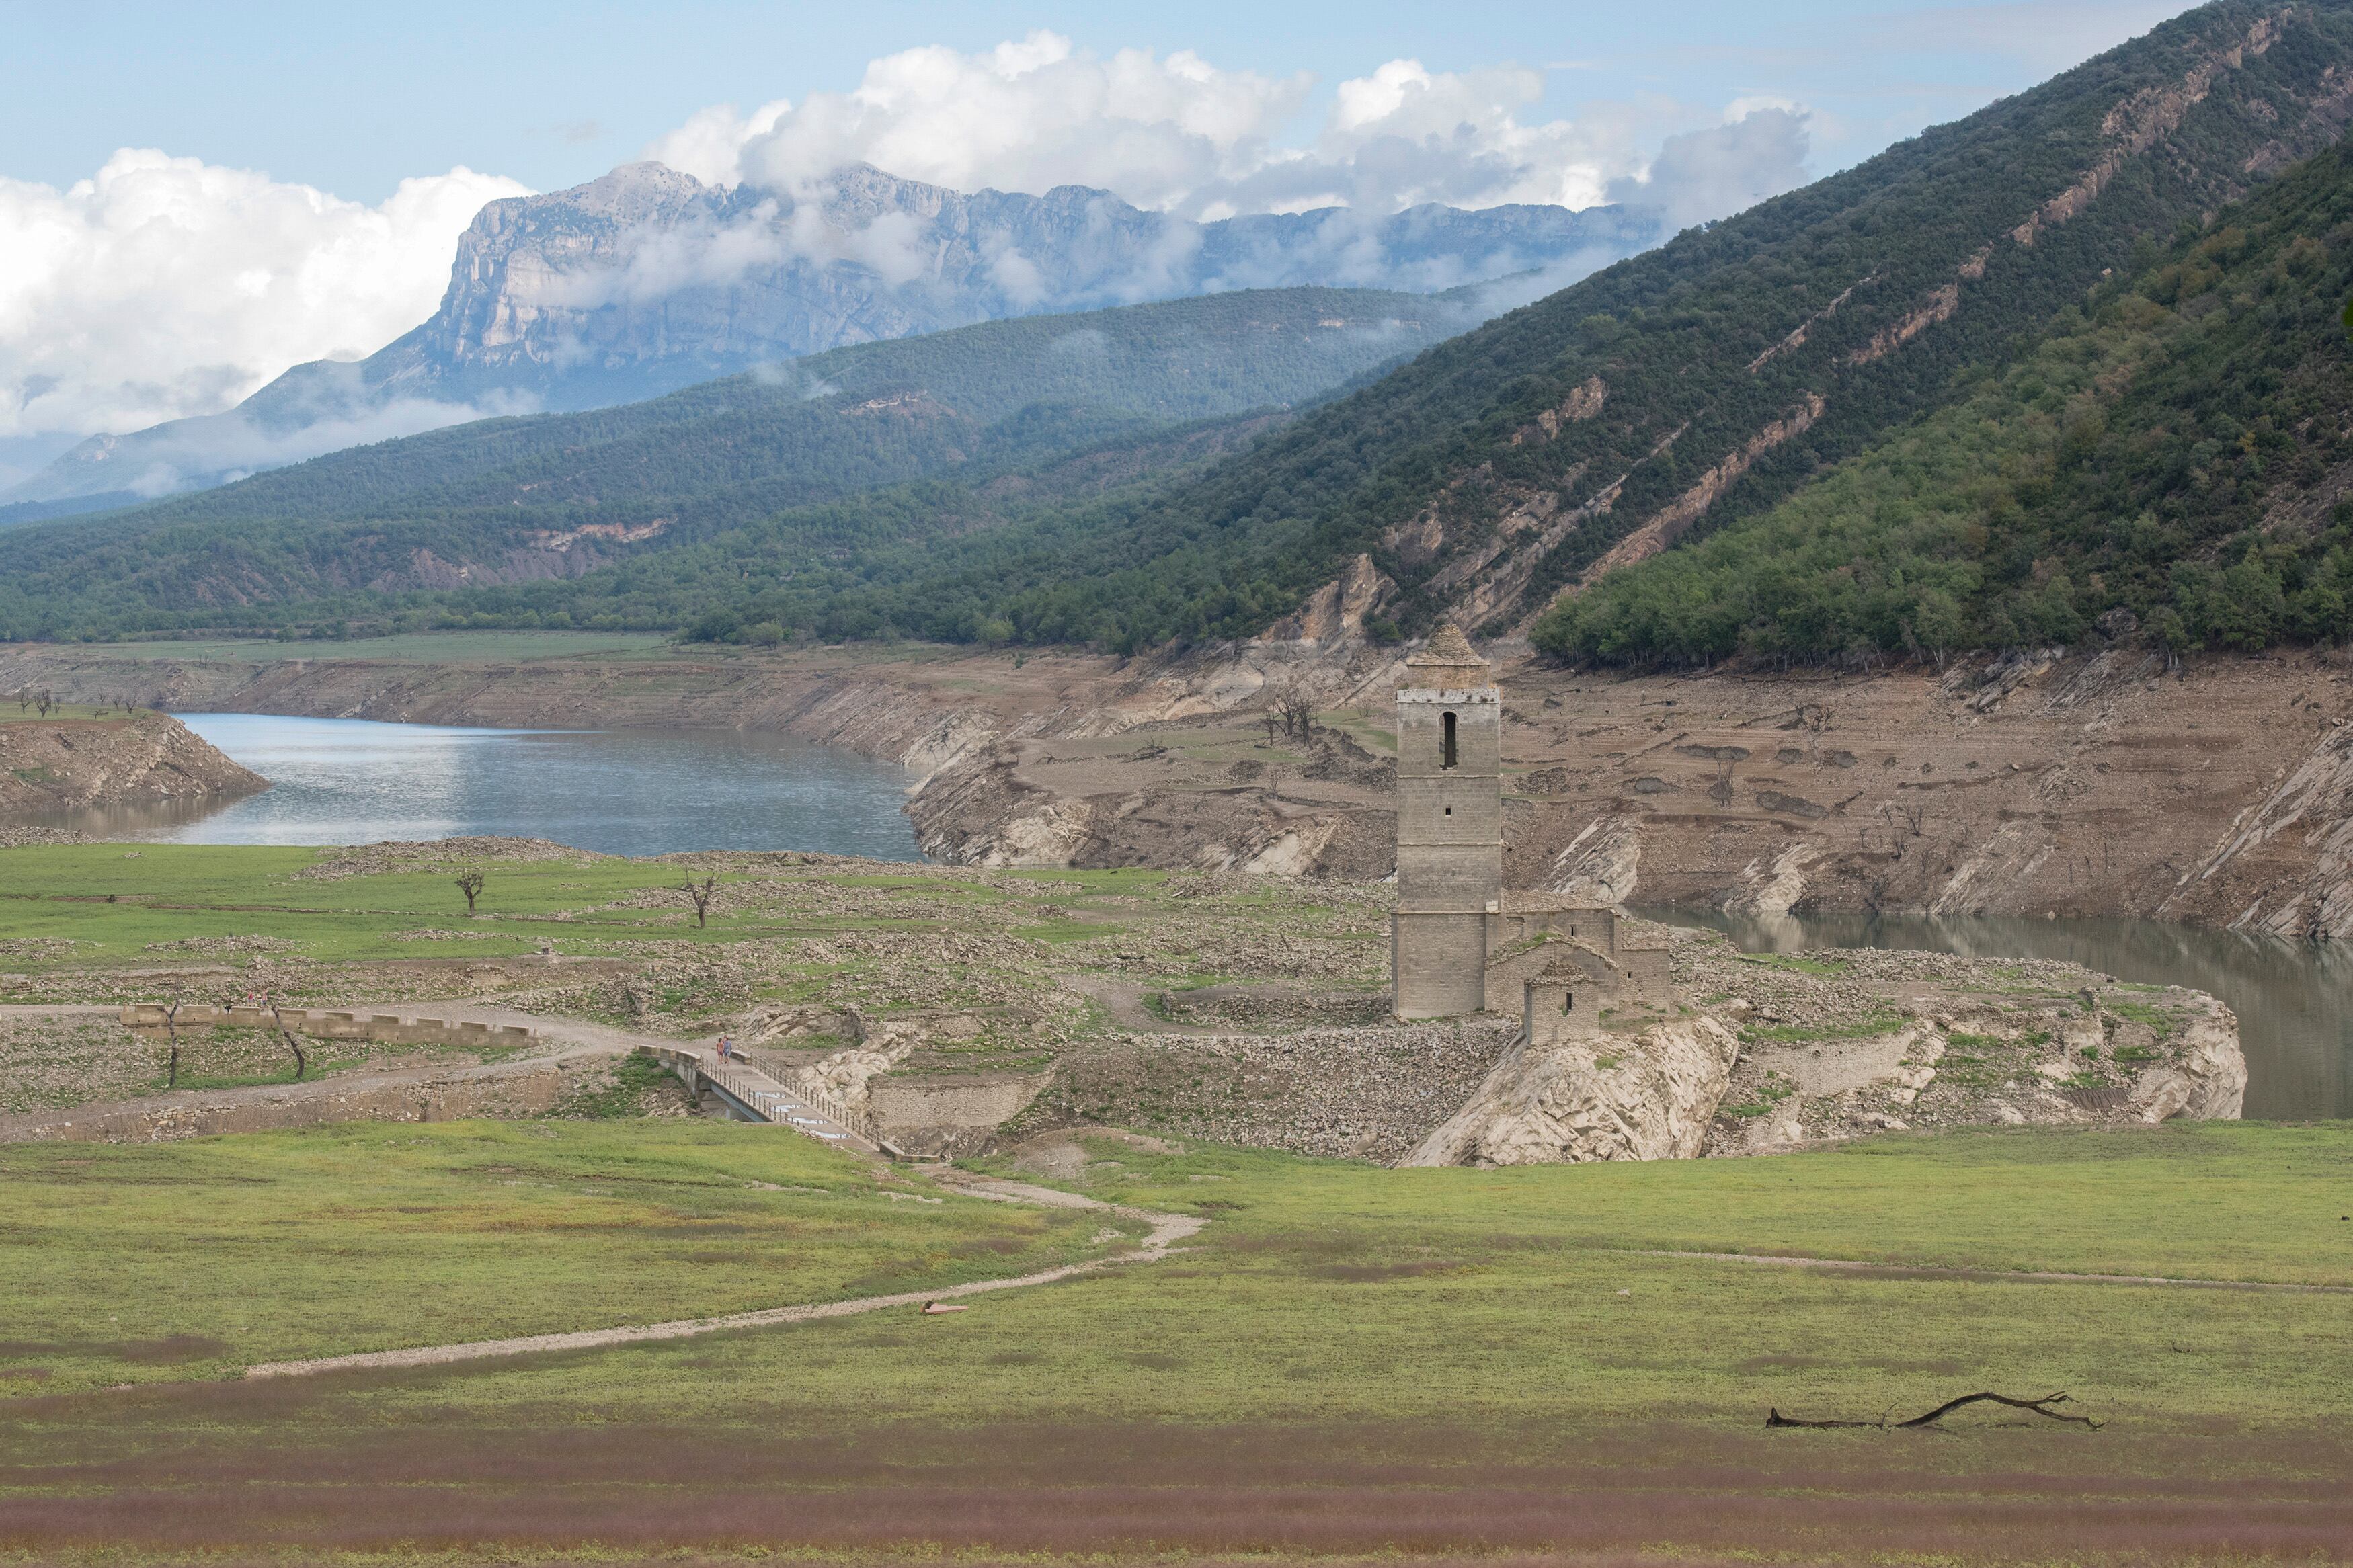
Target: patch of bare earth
x,y
202,1477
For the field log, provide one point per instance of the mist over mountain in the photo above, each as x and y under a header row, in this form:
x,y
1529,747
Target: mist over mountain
x,y
877,446
647,280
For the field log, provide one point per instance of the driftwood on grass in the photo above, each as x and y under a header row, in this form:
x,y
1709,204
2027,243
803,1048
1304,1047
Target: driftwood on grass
x,y
2039,1406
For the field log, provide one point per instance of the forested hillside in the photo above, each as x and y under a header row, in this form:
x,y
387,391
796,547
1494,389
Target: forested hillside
x,y
2009,376
550,497
1708,381
2170,458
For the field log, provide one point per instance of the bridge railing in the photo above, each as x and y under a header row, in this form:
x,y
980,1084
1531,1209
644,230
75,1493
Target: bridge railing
x,y
774,1099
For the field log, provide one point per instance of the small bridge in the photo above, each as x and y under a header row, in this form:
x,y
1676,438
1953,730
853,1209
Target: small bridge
x,y
750,1094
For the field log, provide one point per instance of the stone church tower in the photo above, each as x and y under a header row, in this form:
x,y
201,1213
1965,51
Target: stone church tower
x,y
1449,819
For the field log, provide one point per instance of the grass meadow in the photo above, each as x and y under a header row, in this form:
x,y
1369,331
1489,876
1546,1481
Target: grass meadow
x,y
94,906
172,1261
1351,1361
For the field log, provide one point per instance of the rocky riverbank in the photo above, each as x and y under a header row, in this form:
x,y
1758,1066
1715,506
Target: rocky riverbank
x,y
2100,782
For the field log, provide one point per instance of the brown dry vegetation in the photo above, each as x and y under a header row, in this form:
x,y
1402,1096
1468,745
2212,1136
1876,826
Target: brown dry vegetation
x,y
1997,1492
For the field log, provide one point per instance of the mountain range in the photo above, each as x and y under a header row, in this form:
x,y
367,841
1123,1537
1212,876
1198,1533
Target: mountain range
x,y
647,280
990,420
2069,367
1725,374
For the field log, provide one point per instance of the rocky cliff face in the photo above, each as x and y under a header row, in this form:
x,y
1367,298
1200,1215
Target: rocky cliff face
x,y
1832,1045
66,764
646,280
1575,1101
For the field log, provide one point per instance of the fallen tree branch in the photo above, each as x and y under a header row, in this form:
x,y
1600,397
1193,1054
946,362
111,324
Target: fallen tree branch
x,y
2039,1406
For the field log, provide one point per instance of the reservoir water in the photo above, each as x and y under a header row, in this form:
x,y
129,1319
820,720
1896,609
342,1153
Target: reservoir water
x,y
2294,999
633,792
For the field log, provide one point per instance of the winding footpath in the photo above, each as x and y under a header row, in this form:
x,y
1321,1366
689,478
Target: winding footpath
x,y
1168,1229
413,1093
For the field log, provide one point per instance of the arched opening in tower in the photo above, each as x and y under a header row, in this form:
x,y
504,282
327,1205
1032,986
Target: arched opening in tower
x,y
1446,751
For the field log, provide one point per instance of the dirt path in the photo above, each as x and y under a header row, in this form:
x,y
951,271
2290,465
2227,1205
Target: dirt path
x,y
335,1096
1998,1276
1123,1000
1168,1229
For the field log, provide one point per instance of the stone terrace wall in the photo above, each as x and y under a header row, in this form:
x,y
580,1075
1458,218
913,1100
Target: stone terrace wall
x,y
388,1027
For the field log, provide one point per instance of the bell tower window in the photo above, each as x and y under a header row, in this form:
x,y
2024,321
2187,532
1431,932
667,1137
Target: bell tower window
x,y
1448,754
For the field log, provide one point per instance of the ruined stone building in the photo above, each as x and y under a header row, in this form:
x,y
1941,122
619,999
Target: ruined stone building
x,y
1457,943
1449,817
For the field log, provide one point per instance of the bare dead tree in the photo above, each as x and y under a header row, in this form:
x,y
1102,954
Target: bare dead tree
x,y
301,1063
1298,711
1273,716
471,884
2039,1406
177,994
701,894
24,698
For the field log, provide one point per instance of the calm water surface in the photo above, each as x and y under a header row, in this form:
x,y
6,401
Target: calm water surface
x,y
2294,999
637,792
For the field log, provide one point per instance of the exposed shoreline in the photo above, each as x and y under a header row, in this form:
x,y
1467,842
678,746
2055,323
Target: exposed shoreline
x,y
2095,783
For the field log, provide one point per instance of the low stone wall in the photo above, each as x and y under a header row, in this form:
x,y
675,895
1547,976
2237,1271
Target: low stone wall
x,y
949,1115
523,1089
388,1027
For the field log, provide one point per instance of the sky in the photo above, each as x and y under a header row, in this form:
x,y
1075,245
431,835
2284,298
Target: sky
x,y
193,198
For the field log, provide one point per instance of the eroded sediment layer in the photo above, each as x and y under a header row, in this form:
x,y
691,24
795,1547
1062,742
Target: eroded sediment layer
x,y
57,764
2097,783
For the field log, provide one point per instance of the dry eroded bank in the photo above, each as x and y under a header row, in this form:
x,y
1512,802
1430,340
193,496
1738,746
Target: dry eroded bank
x,y
2095,783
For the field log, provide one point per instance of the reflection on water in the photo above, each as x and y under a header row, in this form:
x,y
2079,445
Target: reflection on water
x,y
348,780
2294,999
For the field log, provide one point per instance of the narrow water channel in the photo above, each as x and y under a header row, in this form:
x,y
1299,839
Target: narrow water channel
x,y
2294,999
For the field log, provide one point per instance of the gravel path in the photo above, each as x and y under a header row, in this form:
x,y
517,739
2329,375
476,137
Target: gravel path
x,y
559,1040
1168,1229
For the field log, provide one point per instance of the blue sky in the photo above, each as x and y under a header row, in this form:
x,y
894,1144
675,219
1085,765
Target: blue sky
x,y
352,98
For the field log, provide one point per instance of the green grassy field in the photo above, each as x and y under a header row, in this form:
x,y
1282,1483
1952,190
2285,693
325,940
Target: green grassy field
x,y
10,713
112,901
97,923
173,1261
1441,1360
116,901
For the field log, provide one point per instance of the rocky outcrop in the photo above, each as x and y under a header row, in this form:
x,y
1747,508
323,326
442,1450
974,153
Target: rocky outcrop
x,y
2205,1081
1847,1043
1595,1097
144,759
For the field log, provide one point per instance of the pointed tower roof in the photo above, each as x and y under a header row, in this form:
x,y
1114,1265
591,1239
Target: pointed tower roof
x,y
1447,662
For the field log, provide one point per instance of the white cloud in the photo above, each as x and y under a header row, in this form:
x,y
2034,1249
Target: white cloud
x,y
1722,170
164,287
1178,134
